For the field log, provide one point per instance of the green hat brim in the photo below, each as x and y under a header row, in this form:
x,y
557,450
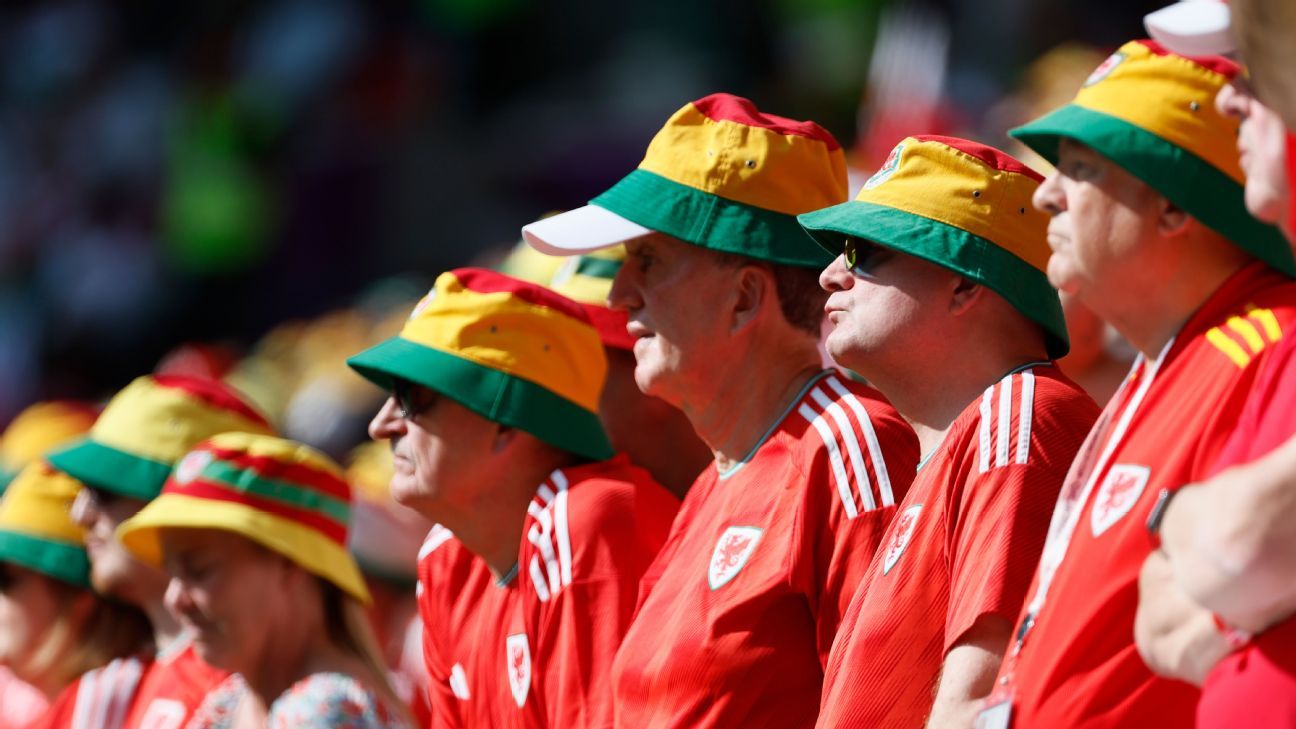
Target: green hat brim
x,y
491,393
967,254
110,469
60,560
710,221
1182,177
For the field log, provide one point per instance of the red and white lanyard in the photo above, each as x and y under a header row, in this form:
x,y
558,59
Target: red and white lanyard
x,y
1086,470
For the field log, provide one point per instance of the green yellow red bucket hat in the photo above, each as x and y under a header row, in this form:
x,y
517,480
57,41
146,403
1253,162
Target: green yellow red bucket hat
x,y
285,496
36,530
587,280
38,429
509,350
1153,113
721,175
150,425
961,205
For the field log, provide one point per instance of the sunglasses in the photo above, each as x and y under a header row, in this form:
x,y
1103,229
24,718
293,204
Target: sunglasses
x,y
862,256
412,400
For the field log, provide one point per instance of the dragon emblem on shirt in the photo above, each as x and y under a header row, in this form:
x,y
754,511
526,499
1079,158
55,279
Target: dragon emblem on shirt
x,y
1120,490
518,657
901,533
732,551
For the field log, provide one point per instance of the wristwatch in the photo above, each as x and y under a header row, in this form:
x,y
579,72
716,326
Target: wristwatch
x,y
1158,511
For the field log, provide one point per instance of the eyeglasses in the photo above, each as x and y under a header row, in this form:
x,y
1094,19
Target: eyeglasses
x,y
862,256
411,399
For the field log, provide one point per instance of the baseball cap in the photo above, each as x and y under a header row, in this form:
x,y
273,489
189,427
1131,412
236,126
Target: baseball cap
x,y
511,351
150,425
721,174
283,495
587,280
36,530
39,428
961,205
1193,27
1153,113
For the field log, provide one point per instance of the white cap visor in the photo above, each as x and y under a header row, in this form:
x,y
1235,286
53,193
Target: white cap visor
x,y
1192,27
580,231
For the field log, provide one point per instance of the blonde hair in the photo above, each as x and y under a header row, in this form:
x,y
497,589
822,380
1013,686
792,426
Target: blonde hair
x,y
349,628
76,644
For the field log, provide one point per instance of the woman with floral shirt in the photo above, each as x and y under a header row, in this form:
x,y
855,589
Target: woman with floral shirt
x,y
253,531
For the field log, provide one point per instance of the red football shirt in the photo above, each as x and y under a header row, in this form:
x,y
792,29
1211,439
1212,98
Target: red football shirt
x,y
1077,664
171,688
99,699
537,650
964,545
743,603
1259,681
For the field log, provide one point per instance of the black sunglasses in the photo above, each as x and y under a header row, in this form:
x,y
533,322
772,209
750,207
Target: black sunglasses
x,y
412,400
861,255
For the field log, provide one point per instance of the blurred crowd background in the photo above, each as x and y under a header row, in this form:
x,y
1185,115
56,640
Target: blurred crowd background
x,y
258,189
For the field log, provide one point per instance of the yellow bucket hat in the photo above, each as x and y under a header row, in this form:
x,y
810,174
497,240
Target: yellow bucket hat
x,y
38,429
961,205
36,530
1153,113
285,496
150,425
721,175
511,351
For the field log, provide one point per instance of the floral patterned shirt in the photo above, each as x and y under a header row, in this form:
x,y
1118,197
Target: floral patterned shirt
x,y
319,701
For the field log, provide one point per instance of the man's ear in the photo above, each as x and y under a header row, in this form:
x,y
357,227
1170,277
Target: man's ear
x,y
1171,219
505,436
965,294
754,290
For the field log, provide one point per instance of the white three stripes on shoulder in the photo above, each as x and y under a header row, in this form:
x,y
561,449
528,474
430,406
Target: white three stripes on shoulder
x,y
437,536
847,439
104,694
1004,447
551,570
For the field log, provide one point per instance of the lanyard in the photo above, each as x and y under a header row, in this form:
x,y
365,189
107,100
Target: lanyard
x,y
1086,470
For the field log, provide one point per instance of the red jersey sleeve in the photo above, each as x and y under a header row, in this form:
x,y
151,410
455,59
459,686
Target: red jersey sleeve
x,y
613,531
862,458
1012,476
1269,416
